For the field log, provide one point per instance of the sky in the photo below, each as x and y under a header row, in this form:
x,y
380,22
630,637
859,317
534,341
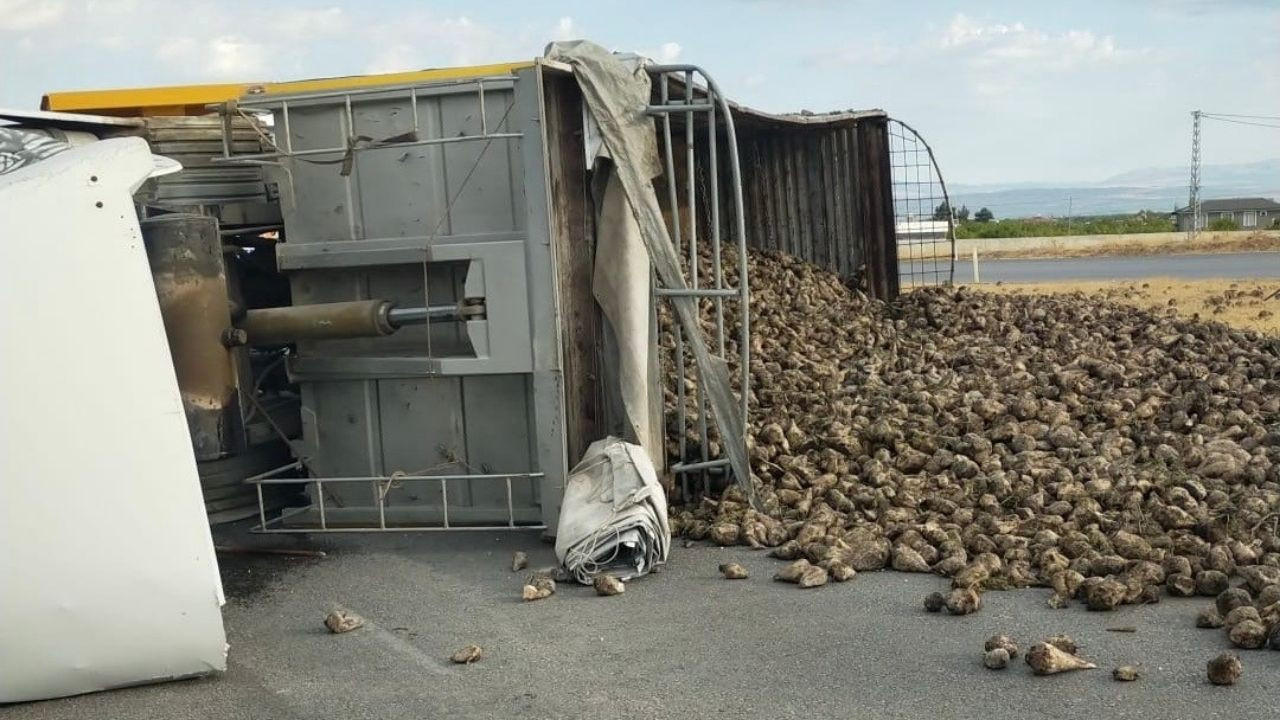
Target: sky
x,y
1005,92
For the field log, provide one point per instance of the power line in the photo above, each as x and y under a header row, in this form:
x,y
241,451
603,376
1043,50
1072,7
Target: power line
x,y
1253,117
1239,122
1219,118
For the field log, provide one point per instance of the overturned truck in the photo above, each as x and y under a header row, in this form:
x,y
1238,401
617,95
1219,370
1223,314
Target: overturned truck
x,y
409,302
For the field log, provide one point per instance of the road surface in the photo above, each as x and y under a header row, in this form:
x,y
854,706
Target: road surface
x,y
1226,265
683,643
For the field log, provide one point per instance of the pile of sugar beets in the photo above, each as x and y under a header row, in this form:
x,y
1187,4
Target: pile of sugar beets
x,y
1005,441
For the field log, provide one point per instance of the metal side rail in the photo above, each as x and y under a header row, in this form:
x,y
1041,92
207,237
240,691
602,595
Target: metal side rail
x,y
702,100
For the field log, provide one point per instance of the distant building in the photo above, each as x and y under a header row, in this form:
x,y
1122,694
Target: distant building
x,y
917,231
1248,213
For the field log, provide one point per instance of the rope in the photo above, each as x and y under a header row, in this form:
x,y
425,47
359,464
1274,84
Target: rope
x,y
396,478
262,376
581,558
253,123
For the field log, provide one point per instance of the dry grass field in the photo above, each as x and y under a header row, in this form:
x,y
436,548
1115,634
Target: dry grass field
x,y
1243,303
1152,244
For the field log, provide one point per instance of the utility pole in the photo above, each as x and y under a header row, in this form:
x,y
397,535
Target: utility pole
x,y
1069,201
1193,203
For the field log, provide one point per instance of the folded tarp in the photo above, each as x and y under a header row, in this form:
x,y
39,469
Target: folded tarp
x,y
613,517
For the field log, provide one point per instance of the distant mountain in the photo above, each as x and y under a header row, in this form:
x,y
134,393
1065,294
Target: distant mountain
x,y
1243,175
1158,188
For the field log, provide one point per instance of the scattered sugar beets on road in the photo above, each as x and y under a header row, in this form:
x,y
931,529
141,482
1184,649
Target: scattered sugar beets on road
x,y
1004,441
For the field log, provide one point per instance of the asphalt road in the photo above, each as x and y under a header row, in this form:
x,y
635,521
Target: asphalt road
x,y
1226,265
683,643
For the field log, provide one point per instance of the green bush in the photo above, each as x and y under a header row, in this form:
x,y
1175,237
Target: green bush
x,y
1223,223
1143,222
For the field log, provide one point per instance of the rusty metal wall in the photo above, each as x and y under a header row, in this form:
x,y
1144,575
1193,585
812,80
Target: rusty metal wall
x,y
821,191
187,268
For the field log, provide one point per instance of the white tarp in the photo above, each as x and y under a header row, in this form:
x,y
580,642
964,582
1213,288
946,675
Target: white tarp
x,y
622,287
20,148
613,517
107,570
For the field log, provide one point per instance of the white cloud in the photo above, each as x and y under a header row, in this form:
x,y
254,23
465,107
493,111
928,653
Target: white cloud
x,y
225,57
202,40
235,58
94,7
990,59
26,15
967,43
963,31
565,29
393,58
665,54
876,53
177,49
120,43
245,40
307,24
997,44
422,40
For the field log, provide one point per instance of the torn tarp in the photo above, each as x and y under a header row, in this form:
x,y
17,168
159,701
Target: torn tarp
x,y
617,97
613,517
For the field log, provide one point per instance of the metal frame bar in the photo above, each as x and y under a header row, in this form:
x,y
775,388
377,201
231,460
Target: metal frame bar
x,y
381,486
674,205
375,146
685,107
715,109
704,465
720,292
266,103
433,86
690,171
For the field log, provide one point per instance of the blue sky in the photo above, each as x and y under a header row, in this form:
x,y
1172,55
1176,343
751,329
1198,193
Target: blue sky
x,y
1070,91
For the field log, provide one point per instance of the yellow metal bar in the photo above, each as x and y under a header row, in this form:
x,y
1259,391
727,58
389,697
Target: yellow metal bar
x,y
194,99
